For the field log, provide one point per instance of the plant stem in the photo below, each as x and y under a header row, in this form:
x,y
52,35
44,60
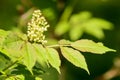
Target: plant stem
x,y
9,66
57,45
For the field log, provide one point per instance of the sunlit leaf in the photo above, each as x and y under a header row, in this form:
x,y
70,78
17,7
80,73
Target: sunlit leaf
x,y
64,42
38,78
62,28
10,78
41,55
29,57
51,41
75,57
85,45
3,35
11,46
53,58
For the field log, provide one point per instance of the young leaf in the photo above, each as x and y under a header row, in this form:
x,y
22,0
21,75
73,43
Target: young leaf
x,y
40,53
29,57
53,58
75,57
85,45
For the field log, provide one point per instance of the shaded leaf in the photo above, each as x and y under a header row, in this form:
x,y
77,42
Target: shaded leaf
x,y
75,57
16,77
85,45
4,62
53,58
50,74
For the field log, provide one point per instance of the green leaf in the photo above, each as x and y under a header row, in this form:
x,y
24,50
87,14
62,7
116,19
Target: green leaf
x,y
53,58
50,74
41,55
29,57
85,45
11,46
93,30
95,27
16,77
2,77
10,78
75,57
62,28
101,23
80,17
64,42
4,62
38,78
3,35
20,77
76,32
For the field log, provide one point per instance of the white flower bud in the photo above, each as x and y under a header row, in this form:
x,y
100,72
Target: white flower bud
x,y
36,27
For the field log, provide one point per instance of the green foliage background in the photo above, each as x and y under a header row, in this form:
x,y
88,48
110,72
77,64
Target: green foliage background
x,y
98,21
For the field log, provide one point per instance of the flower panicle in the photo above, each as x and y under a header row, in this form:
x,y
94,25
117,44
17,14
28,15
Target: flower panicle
x,y
36,27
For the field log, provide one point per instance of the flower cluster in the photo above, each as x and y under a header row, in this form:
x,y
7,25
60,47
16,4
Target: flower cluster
x,y
36,27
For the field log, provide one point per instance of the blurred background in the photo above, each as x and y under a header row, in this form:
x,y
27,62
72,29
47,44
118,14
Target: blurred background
x,y
98,20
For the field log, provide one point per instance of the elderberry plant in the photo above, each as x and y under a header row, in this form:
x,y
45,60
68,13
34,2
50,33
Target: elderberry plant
x,y
36,58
